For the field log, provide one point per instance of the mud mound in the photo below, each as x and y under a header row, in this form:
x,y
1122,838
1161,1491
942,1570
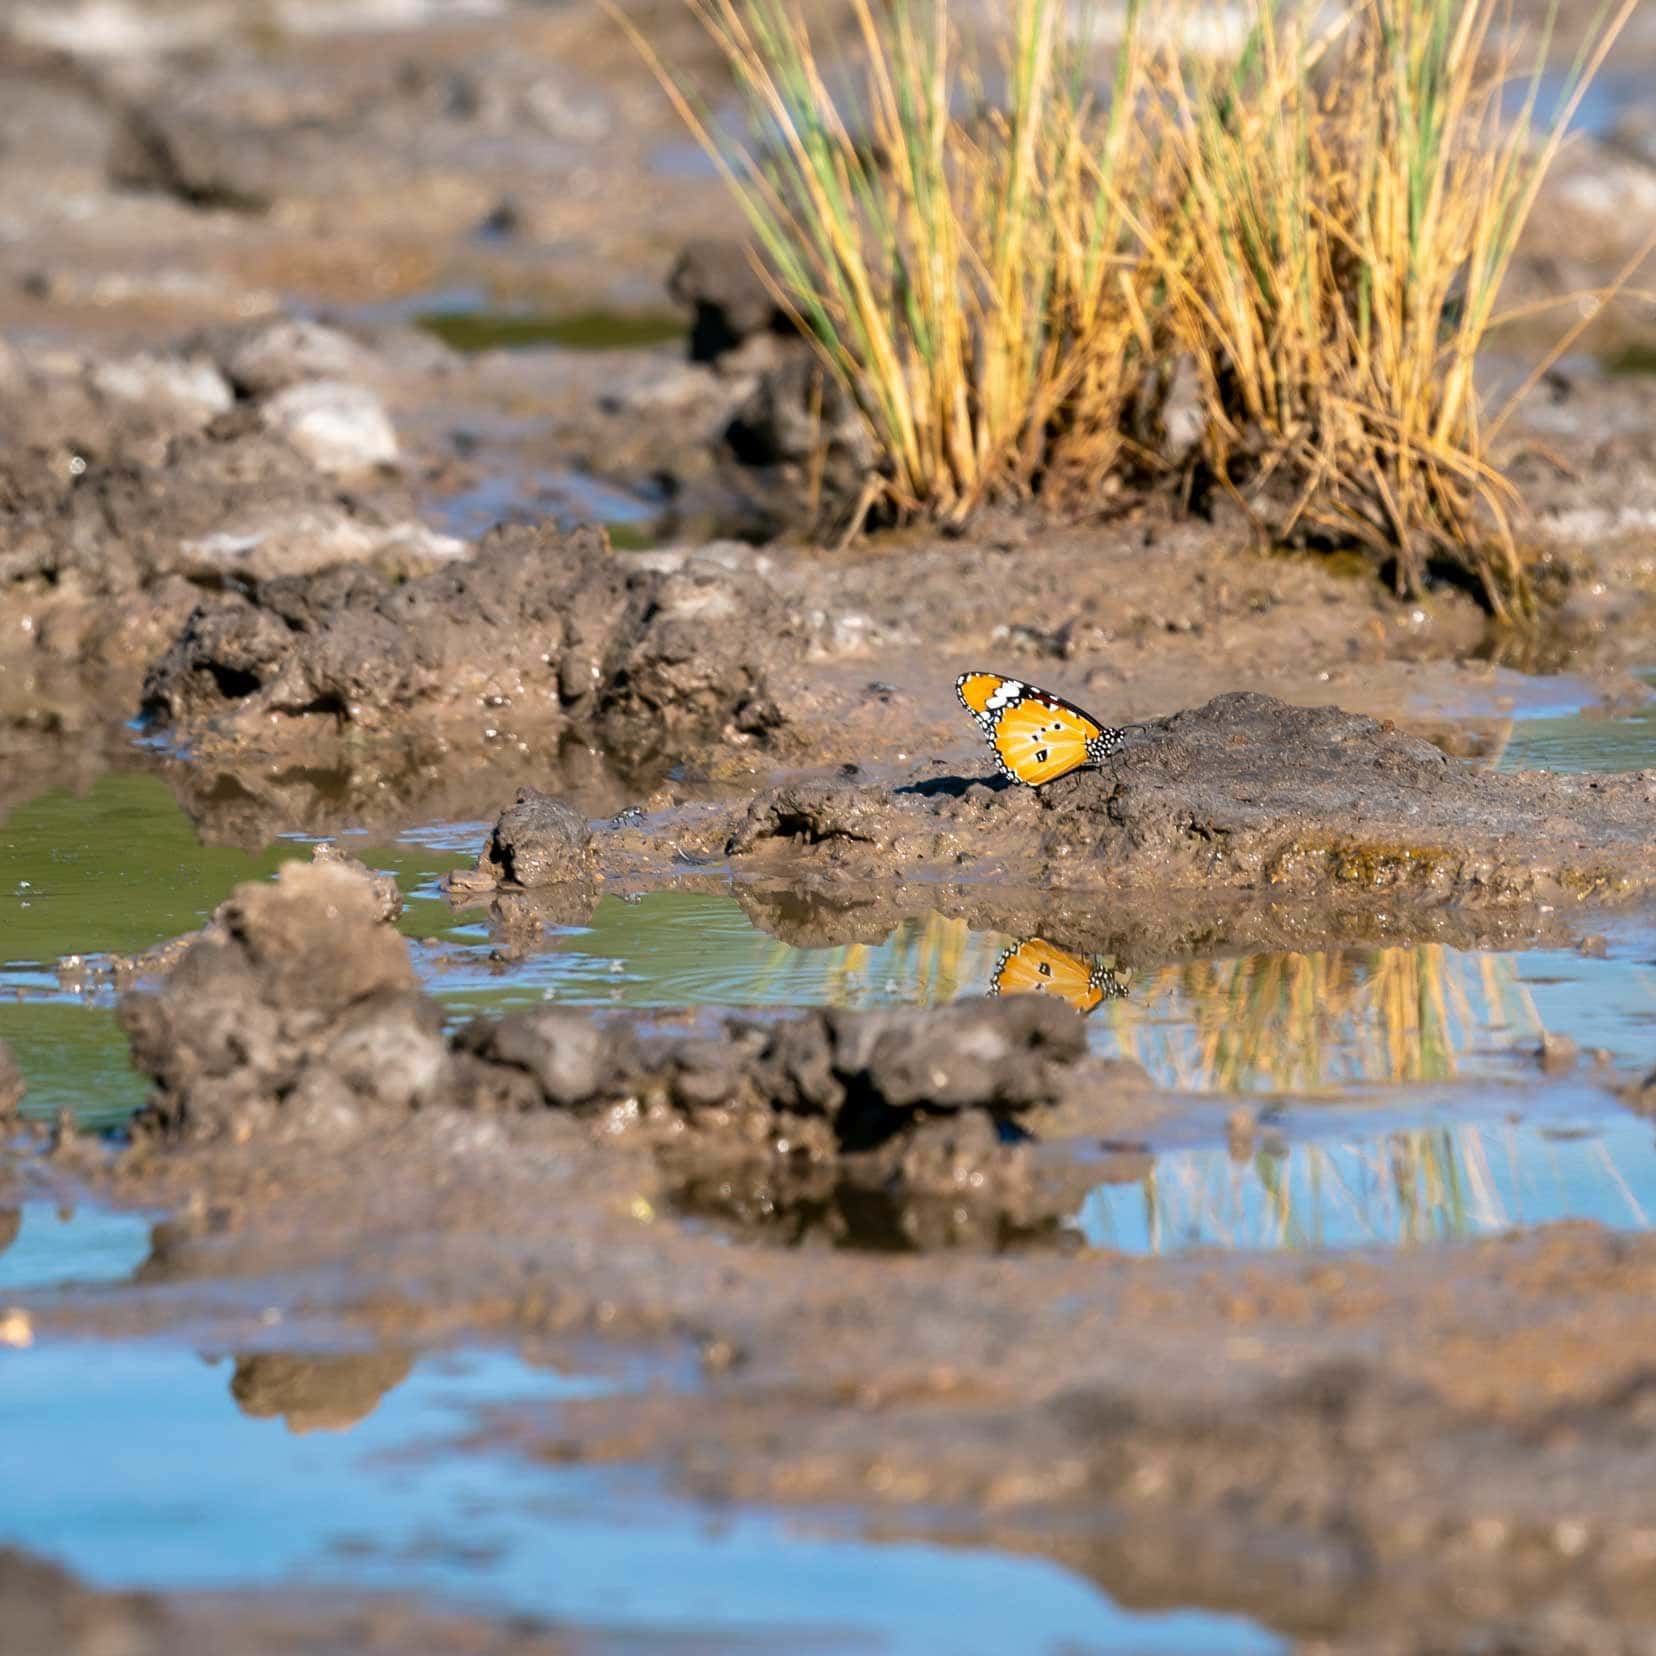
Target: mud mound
x,y
822,1083
297,1008
543,630
1244,794
296,1012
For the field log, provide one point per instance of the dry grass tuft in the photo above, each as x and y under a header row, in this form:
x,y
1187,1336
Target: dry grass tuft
x,y
1004,268
946,225
1349,202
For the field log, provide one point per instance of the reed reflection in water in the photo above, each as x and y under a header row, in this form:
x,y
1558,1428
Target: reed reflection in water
x,y
1401,1188
1321,1022
1308,1023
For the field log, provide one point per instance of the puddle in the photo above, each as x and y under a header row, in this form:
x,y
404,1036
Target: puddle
x,y
1310,1023
1406,1186
361,1486
1613,94
55,1247
1632,361
568,497
1583,739
1338,1033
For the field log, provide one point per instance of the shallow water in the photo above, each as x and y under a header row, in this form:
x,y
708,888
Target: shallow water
x,y
561,494
1440,1177
1324,1042
465,321
53,1247
1584,739
367,1485
1392,1099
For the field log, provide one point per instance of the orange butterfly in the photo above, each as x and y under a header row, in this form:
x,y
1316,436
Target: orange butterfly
x,y
1036,967
1036,737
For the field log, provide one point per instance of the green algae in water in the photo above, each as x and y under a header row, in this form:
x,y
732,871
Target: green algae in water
x,y
115,871
111,871
593,330
1632,361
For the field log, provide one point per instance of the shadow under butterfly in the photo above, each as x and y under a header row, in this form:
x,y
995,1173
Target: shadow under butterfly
x,y
1036,967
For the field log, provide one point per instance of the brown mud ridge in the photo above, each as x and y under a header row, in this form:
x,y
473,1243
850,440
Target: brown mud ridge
x,y
539,633
297,1013
1379,1454
1246,796
46,1611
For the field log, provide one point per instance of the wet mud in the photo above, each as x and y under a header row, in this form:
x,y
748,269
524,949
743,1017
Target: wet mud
x,y
46,1611
1244,792
1356,1450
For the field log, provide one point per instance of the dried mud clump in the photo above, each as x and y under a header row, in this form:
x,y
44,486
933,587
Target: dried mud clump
x,y
539,841
689,656
822,1084
541,631
298,1009
1246,794
537,869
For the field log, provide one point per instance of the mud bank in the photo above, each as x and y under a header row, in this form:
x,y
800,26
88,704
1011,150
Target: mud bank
x,y
539,633
1246,795
295,1014
46,1611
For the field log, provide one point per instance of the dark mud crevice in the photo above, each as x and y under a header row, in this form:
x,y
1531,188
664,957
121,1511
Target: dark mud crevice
x,y
233,683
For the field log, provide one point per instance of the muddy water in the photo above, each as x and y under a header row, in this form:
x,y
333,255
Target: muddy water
x,y
1391,1091
1357,1097
362,1480
1584,740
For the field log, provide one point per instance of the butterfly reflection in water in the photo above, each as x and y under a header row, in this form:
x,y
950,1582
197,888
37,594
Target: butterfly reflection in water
x,y
1036,967
1035,736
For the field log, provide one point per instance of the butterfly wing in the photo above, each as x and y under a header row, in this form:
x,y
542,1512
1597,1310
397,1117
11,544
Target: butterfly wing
x,y
984,695
1041,968
1036,736
1038,741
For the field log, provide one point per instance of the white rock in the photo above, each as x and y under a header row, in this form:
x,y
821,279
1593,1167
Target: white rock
x,y
192,386
292,350
299,543
337,426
